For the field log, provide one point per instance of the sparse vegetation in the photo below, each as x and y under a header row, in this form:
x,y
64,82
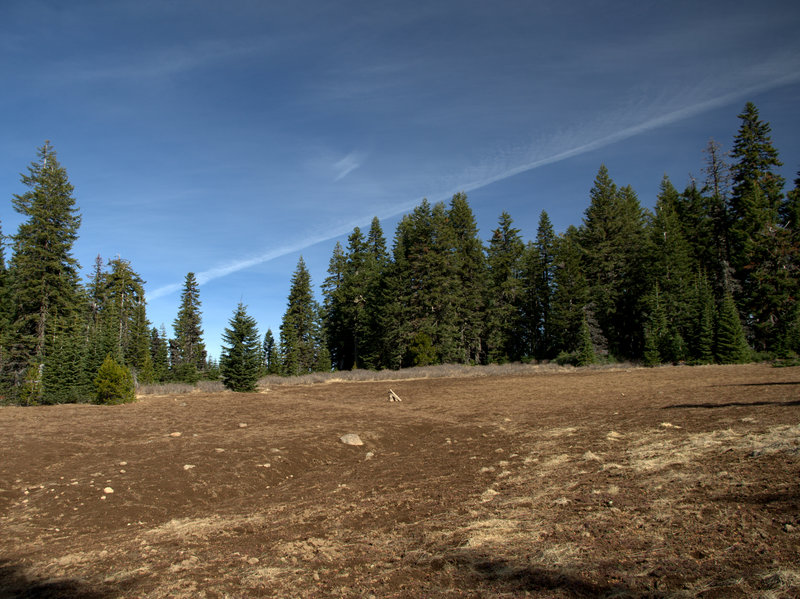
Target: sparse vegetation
x,y
505,482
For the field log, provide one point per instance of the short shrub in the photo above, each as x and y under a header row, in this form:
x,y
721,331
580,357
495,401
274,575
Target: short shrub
x,y
114,383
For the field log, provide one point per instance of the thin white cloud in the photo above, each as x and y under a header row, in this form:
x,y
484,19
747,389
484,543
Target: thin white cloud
x,y
352,161
347,165
164,62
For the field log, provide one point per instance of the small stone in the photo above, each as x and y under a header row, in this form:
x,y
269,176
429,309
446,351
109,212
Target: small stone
x,y
351,439
369,455
175,434
188,466
242,425
123,463
315,576
253,561
788,528
108,490
219,449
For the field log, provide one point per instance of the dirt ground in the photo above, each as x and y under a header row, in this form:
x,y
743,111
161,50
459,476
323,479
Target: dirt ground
x,y
666,482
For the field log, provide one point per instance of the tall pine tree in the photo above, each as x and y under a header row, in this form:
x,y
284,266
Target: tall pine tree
x,y
504,257
43,271
570,293
469,297
188,350
755,207
300,327
614,242
538,279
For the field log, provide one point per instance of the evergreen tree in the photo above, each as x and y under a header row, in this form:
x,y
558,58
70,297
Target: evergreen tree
x,y
300,334
114,383
140,357
570,293
5,307
421,287
538,272
64,378
505,292
189,352
731,345
712,238
43,272
586,354
469,297
790,211
240,362
122,303
755,208
671,265
701,339
335,308
376,260
614,243
159,354
271,360
756,198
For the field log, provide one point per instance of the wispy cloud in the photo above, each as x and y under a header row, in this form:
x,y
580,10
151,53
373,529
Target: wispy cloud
x,y
163,62
348,164
668,117
354,159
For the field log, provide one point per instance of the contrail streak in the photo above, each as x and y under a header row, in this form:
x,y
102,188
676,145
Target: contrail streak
x,y
626,133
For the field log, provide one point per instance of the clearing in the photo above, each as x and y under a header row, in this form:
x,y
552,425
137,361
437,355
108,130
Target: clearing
x,y
666,482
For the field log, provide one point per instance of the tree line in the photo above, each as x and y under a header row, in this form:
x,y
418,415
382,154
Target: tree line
x,y
710,275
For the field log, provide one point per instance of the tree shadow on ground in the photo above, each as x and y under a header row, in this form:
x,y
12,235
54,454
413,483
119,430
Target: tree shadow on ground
x,y
15,584
732,404
767,384
499,575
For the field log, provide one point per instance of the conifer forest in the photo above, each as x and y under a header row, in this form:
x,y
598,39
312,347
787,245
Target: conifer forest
x,y
710,275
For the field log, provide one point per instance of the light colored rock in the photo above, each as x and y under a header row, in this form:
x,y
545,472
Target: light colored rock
x,y
175,434
108,490
351,439
242,425
188,466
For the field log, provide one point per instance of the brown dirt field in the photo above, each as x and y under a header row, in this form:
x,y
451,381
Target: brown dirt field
x,y
666,482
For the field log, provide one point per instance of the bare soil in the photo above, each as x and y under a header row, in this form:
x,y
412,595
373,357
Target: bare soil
x,y
666,482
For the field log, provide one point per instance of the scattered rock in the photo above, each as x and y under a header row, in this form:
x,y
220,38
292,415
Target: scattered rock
x,y
188,466
351,439
175,434
614,436
123,463
219,449
369,455
108,490
668,425
590,457
242,425
253,561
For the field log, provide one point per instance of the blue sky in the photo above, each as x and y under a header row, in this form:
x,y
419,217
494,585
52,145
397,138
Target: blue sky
x,y
228,139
